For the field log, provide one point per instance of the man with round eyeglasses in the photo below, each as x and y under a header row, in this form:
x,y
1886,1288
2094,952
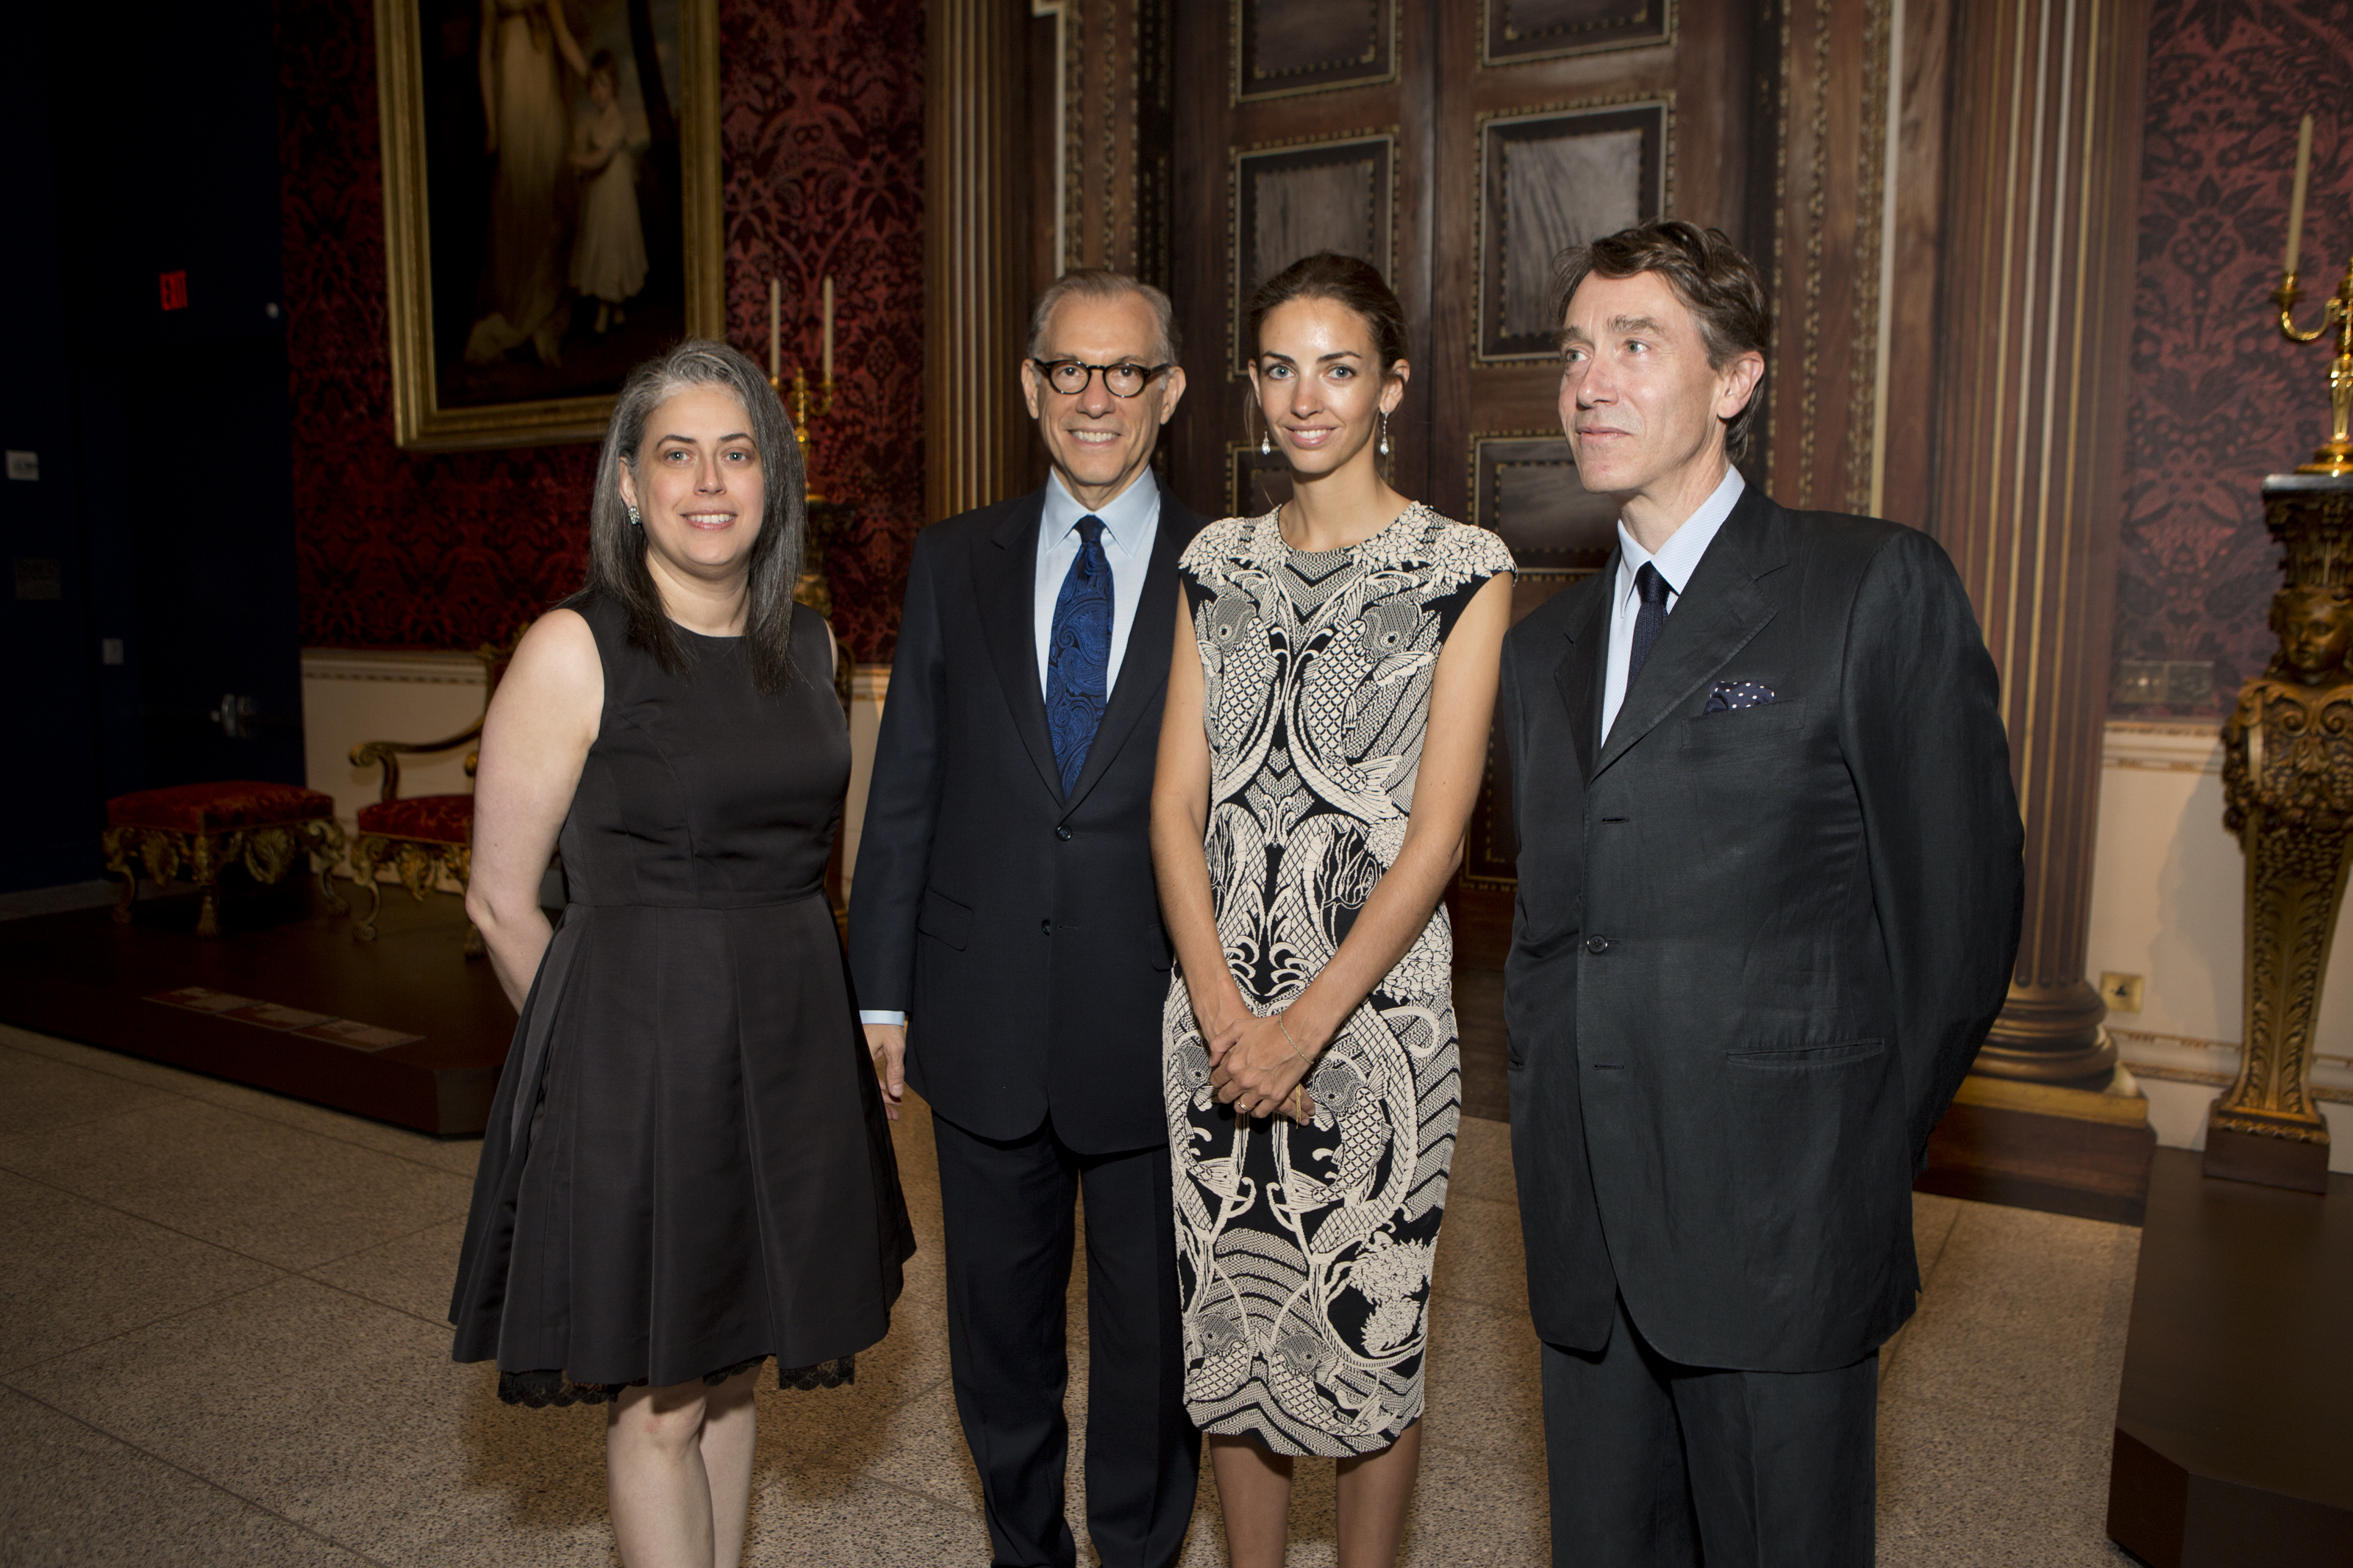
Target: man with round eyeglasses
x,y
1071,377
1005,940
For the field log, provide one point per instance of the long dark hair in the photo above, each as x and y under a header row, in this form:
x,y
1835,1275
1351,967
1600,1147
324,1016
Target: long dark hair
x,y
617,547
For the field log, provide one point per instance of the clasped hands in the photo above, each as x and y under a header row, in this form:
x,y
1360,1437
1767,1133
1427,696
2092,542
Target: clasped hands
x,y
1255,1064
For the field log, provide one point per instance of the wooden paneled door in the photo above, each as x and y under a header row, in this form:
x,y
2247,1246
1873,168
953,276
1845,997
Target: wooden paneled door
x,y
1459,145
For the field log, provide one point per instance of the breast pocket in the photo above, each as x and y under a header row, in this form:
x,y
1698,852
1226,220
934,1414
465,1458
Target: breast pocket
x,y
944,919
1740,735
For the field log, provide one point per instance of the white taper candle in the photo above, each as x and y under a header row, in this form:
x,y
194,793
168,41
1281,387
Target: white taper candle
x,y
2295,196
828,331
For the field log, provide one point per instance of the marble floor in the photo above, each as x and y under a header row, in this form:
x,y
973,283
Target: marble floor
x,y
222,1342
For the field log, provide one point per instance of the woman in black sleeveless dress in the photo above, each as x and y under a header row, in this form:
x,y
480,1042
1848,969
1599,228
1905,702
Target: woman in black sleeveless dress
x,y
688,1169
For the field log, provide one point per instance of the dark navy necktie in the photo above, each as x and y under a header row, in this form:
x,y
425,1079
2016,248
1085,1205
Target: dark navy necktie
x,y
1650,620
1078,656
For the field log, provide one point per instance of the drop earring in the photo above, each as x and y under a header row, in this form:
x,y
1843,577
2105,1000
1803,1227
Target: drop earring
x,y
1265,442
633,510
1385,433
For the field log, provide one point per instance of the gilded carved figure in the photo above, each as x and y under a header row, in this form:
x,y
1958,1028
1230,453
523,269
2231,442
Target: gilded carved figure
x,y
2288,784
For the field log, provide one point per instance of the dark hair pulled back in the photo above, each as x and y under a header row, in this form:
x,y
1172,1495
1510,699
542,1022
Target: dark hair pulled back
x,y
1344,279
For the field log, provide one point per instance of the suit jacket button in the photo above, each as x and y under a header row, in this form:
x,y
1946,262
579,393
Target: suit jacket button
x,y
1045,928
1062,832
1596,944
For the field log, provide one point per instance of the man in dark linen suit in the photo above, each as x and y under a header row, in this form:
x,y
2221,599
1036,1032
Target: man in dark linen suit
x,y
1768,896
1005,936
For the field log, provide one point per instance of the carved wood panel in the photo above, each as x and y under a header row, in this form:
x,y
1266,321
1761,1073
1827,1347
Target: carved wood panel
x,y
1512,127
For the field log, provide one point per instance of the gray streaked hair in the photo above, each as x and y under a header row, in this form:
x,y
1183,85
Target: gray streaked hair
x,y
616,548
1100,283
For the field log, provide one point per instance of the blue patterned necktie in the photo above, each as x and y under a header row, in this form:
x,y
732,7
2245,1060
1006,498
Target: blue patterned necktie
x,y
1650,620
1078,656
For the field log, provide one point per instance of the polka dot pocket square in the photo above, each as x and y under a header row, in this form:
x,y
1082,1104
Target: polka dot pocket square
x,y
1729,695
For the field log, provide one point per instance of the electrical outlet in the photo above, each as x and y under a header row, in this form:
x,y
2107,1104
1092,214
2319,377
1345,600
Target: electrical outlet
x,y
2120,992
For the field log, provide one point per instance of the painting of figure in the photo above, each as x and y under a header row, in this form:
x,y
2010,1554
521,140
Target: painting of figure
x,y
547,162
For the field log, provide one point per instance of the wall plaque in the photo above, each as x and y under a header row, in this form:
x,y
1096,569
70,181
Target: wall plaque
x,y
1286,46
1517,30
1549,181
1296,199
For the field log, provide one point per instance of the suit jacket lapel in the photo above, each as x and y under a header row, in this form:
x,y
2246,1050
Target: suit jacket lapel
x,y
1143,680
1005,578
1717,615
1582,669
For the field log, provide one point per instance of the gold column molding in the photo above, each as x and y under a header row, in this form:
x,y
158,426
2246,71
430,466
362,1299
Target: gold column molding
x,y
1832,211
975,430
2043,163
1112,117
2287,780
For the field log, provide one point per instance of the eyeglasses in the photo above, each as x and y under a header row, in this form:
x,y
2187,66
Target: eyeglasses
x,y
1070,376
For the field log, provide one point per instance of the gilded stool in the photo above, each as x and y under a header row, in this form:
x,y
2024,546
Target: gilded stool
x,y
415,840
212,827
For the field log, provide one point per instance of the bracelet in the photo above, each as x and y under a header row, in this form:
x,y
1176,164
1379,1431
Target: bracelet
x,y
1291,1043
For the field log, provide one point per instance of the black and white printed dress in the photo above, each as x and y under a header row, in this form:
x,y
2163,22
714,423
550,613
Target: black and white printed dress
x,y
1304,1253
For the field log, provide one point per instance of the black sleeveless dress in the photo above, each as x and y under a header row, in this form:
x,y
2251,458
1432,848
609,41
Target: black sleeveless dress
x,y
688,1168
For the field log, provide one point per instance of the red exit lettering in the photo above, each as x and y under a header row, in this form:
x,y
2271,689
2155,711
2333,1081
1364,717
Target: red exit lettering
x,y
174,286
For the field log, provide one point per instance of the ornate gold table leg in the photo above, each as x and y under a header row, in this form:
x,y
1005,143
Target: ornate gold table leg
x,y
2287,781
210,854
2266,1128
323,836
368,854
121,845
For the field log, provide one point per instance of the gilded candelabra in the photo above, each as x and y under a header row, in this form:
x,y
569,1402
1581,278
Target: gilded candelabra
x,y
2336,455
800,407
825,517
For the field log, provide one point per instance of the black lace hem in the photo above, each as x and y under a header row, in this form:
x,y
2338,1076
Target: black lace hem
x,y
538,1390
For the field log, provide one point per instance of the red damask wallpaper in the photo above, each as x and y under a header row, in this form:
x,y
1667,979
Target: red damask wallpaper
x,y
823,130
2220,400
821,133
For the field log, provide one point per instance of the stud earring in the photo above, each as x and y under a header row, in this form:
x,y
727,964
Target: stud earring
x,y
1384,434
635,523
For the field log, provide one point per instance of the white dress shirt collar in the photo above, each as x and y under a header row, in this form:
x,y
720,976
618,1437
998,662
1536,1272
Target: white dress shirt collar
x,y
1131,522
1127,517
1677,559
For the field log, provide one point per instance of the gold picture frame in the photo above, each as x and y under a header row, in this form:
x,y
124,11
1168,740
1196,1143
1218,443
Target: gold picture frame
x,y
456,380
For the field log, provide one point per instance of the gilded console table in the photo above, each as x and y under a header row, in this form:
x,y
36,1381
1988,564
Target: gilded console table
x,y
2287,781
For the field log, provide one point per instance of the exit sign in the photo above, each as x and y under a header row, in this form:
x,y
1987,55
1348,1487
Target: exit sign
x,y
174,286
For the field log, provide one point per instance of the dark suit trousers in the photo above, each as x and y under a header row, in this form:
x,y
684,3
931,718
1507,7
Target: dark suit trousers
x,y
1007,1209
1657,1465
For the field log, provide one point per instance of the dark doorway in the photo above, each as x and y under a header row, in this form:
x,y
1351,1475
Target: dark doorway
x,y
162,371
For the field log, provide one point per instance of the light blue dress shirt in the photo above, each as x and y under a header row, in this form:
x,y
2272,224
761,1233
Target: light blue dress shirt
x,y
1131,522
1676,560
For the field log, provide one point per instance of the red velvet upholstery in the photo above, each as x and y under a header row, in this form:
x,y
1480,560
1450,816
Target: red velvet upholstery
x,y
217,807
443,818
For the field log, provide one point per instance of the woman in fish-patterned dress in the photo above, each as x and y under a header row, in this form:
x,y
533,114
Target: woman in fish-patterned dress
x,y
1325,732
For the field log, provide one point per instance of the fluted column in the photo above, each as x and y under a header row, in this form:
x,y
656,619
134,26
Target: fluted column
x,y
974,268
2037,318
